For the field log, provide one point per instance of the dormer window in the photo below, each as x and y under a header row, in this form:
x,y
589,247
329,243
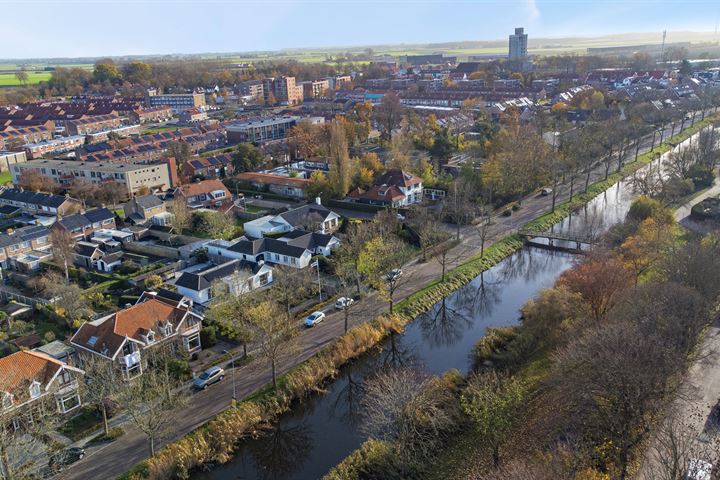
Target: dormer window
x,y
150,336
168,330
35,390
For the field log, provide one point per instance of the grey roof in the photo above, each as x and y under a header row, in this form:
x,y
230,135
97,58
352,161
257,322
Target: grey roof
x,y
311,241
80,220
202,280
23,234
34,198
148,201
85,249
299,215
261,245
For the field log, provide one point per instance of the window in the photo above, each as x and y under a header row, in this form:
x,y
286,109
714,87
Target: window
x,y
69,401
35,390
64,377
7,400
168,329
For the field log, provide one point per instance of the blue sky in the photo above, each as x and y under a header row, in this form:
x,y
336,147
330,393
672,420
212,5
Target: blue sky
x,y
72,28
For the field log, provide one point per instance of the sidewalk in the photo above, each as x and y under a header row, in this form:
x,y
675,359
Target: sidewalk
x,y
131,448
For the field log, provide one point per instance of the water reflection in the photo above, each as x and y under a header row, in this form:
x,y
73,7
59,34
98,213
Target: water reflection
x,y
281,450
345,408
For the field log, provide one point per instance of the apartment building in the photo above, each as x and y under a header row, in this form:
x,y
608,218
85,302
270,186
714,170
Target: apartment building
x,y
56,145
261,130
133,176
315,88
284,89
339,81
92,124
176,101
10,158
517,45
252,88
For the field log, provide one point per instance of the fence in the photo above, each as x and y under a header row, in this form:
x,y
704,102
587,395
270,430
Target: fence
x,y
8,295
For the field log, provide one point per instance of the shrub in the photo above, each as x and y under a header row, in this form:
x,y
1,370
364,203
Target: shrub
x,y
702,177
208,336
49,336
179,369
374,459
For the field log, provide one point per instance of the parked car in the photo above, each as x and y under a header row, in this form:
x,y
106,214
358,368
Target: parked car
x,y
546,191
314,318
400,217
208,377
699,470
394,274
343,302
66,457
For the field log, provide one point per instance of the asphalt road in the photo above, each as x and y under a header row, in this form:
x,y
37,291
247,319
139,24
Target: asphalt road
x,y
114,459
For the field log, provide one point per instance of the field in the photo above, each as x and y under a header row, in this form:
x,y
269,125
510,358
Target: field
x,y
36,72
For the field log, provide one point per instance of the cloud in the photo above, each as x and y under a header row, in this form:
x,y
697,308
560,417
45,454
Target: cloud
x,y
531,11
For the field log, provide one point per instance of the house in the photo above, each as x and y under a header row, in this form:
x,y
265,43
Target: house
x,y
192,115
395,188
39,202
29,379
23,249
294,249
237,276
313,217
123,337
144,208
218,166
203,194
96,255
83,225
288,186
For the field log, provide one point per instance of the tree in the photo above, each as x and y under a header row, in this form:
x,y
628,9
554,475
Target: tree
x,y
216,224
411,410
273,334
340,167
599,282
83,190
137,72
22,76
106,71
67,298
20,433
247,158
346,259
459,206
318,186
111,193
290,286
181,216
101,385
494,403
153,282
231,314
442,148
389,114
152,402
63,248
34,181
444,255
425,225
180,151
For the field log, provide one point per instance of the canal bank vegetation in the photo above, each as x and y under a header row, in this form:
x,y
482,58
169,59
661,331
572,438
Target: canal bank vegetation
x,y
599,355
216,441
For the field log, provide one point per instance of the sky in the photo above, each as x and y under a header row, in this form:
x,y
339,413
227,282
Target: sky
x,y
76,28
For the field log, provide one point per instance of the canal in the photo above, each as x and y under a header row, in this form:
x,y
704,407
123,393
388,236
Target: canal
x,y
322,430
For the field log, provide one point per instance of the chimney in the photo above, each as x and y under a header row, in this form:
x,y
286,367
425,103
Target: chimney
x,y
318,200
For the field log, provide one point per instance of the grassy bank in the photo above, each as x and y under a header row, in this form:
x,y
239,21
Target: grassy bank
x,y
216,441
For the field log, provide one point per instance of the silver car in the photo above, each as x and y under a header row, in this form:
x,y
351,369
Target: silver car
x,y
208,377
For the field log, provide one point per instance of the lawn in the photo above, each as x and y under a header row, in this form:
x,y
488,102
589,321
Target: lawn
x,y
7,79
5,177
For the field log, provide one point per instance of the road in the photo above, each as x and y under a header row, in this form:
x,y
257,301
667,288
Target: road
x,y
113,459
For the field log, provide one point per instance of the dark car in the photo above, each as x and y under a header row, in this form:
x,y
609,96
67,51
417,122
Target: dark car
x,y
66,457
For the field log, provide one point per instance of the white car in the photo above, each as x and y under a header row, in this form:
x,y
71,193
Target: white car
x,y
343,302
394,274
699,470
314,318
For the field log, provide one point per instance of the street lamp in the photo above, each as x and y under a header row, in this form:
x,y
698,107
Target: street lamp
x,y
234,397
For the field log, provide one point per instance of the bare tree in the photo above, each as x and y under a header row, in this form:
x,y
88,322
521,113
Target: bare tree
x,y
446,254
389,114
459,206
425,225
68,298
63,248
181,216
409,409
274,335
101,384
152,402
289,287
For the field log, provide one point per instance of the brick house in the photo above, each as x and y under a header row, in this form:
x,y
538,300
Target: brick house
x,y
143,208
126,337
30,380
83,225
23,249
204,194
39,202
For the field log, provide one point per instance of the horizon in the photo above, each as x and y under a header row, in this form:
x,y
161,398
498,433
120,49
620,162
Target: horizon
x,y
296,21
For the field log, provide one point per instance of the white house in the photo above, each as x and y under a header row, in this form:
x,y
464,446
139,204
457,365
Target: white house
x,y
396,188
294,249
238,277
312,217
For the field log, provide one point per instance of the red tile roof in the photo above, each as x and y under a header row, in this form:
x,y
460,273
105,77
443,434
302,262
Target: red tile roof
x,y
19,370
